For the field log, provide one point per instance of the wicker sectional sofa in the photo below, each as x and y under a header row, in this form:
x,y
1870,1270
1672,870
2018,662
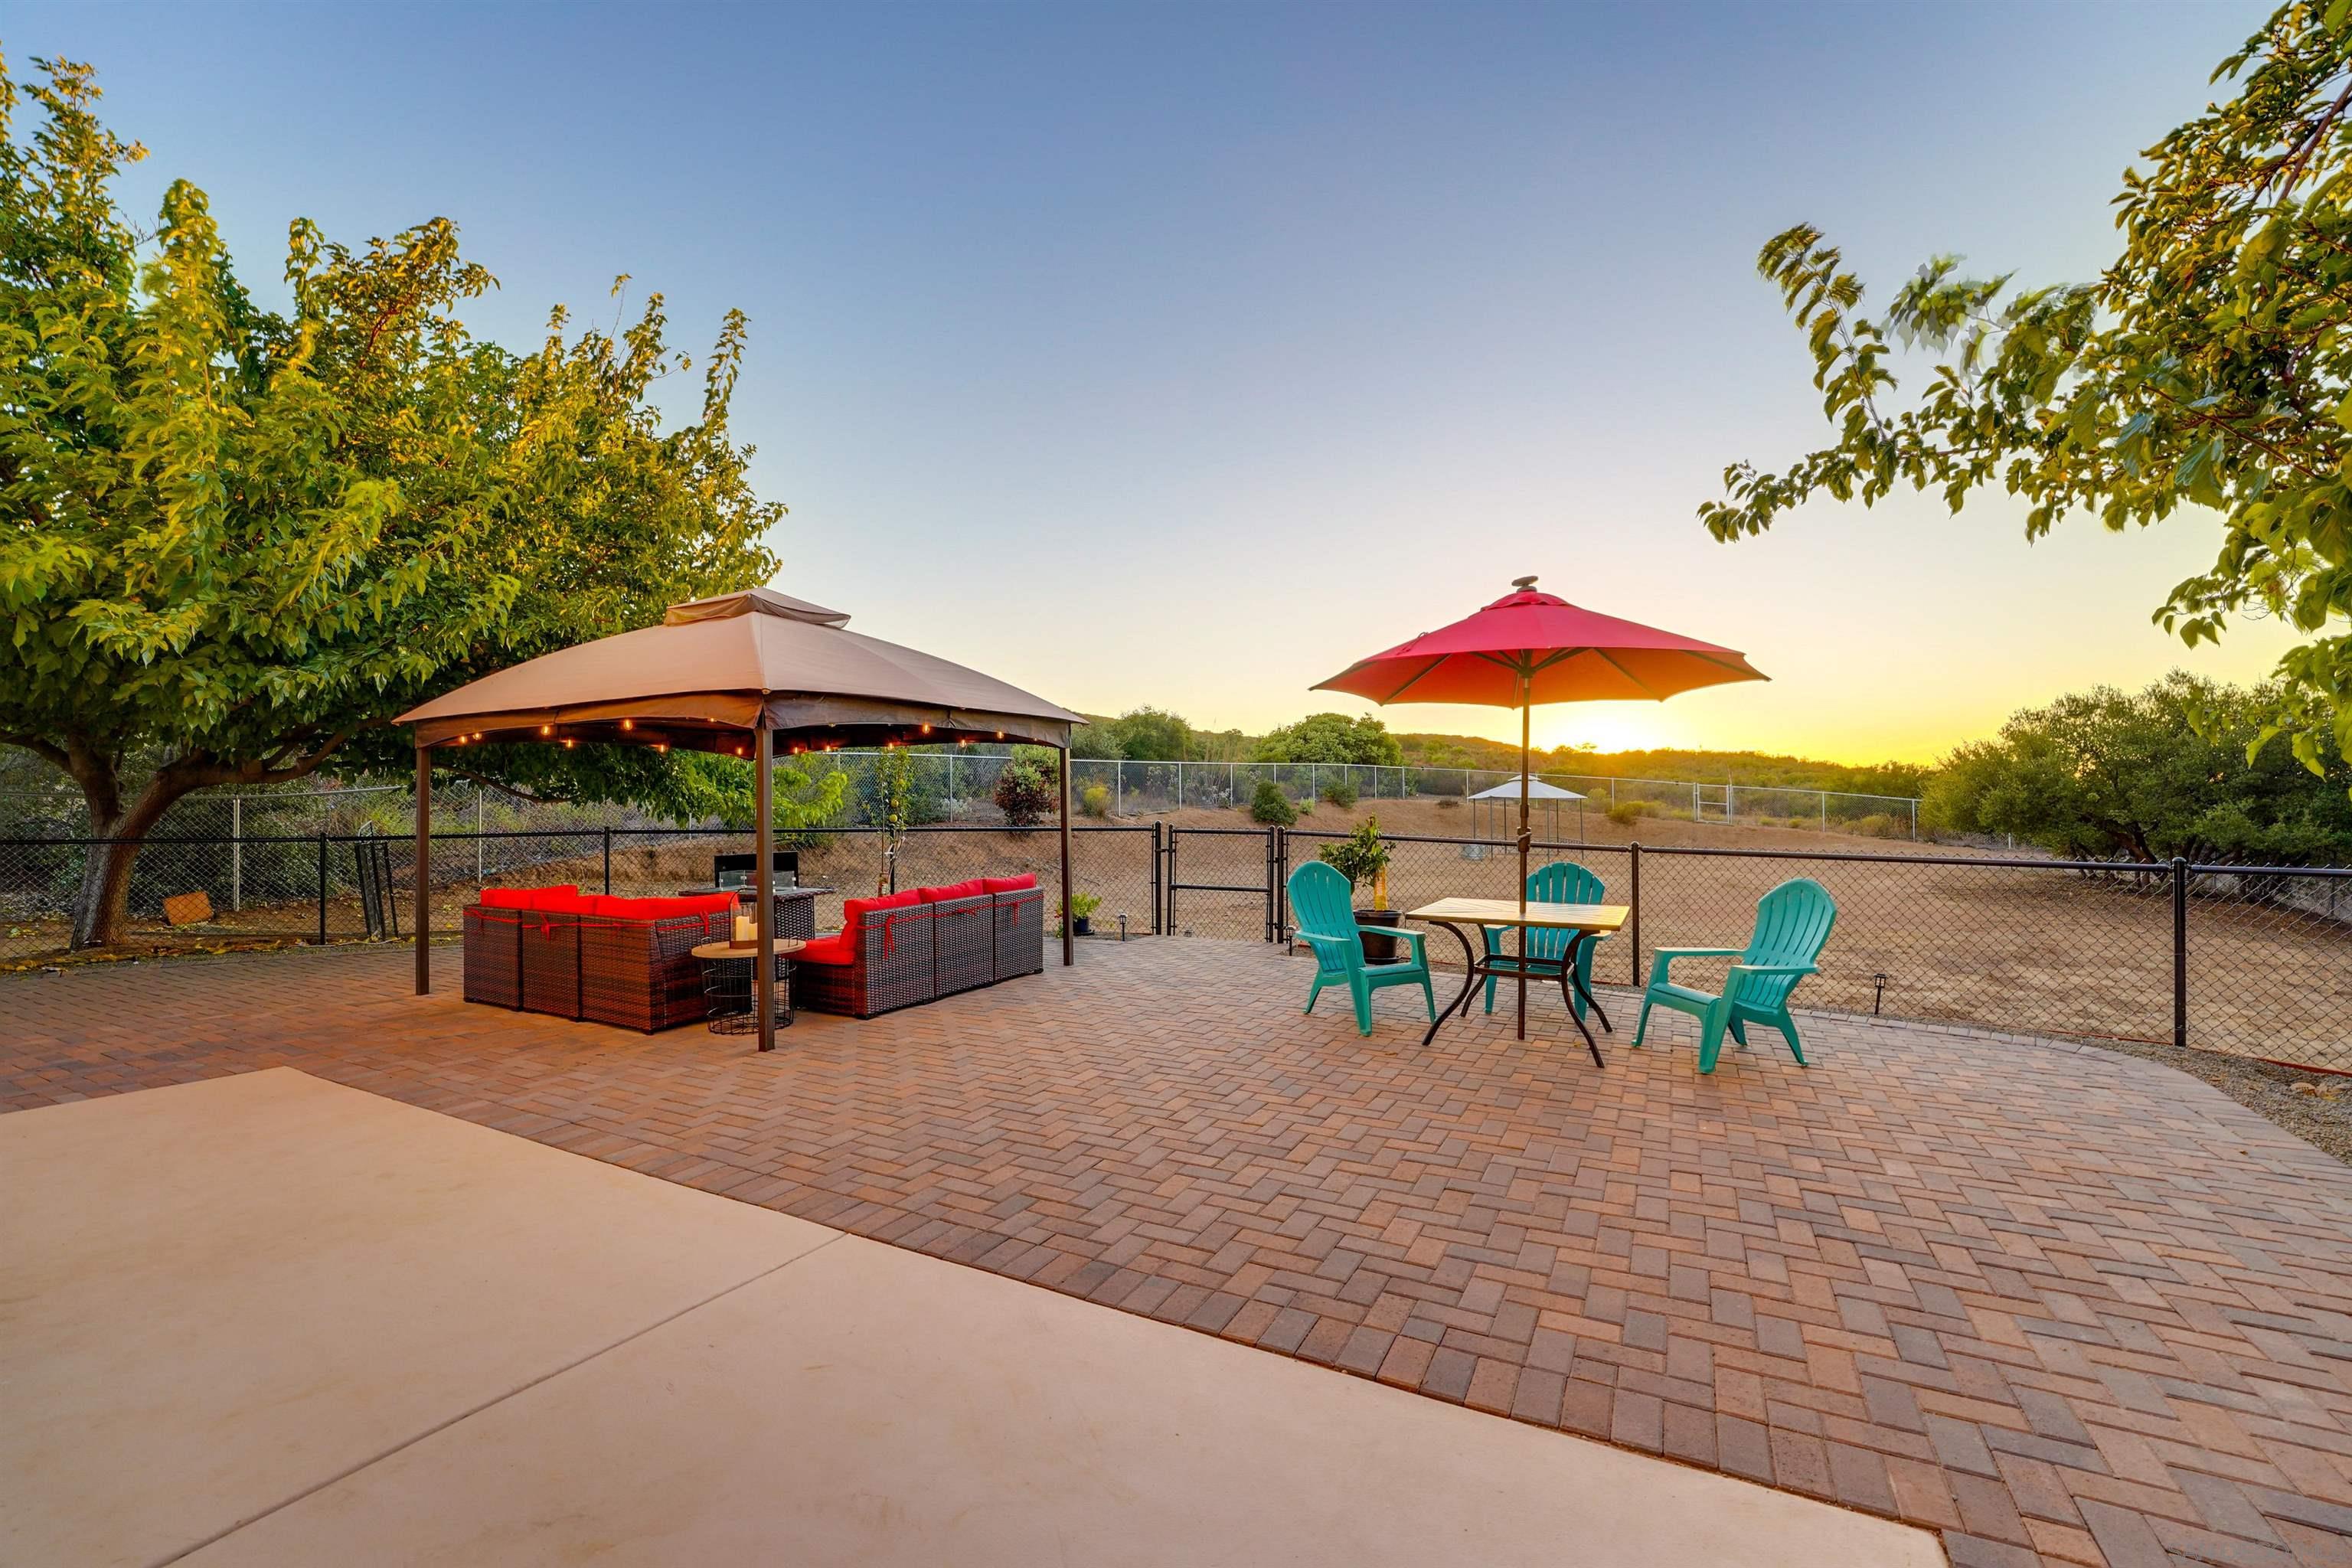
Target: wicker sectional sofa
x,y
628,962
916,946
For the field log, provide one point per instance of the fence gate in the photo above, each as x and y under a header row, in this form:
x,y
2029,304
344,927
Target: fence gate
x,y
1235,862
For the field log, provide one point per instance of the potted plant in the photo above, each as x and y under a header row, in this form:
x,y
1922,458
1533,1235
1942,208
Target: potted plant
x,y
1361,858
1081,912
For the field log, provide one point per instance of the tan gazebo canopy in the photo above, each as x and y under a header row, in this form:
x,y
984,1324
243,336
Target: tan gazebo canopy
x,y
733,675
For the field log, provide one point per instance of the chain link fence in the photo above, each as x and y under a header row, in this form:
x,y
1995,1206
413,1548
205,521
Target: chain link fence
x,y
327,888
2249,960
2252,961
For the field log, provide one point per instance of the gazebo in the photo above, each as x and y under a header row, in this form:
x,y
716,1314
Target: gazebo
x,y
735,675
1503,800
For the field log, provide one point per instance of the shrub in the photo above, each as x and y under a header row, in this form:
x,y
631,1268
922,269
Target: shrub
x,y
1269,805
1448,803
1341,793
1095,800
1360,856
1626,813
1881,824
1023,794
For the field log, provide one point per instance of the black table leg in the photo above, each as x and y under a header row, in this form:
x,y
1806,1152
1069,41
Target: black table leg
x,y
1568,976
1469,984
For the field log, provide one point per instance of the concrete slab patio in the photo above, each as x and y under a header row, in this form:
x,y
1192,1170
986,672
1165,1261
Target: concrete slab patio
x,y
265,1319
2060,1305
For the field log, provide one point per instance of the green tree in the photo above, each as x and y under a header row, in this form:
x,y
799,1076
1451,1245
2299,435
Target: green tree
x,y
1095,741
1148,734
239,541
2146,775
2208,366
1331,738
892,802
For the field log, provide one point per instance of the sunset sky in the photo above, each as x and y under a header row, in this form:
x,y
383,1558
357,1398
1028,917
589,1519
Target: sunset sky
x,y
1182,354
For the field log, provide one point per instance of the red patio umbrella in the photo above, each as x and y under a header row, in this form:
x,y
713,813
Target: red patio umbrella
x,y
1527,648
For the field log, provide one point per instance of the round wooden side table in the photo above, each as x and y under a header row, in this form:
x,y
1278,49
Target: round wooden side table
x,y
728,985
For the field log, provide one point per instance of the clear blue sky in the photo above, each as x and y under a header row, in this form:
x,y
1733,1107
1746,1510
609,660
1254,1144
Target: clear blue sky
x,y
1182,354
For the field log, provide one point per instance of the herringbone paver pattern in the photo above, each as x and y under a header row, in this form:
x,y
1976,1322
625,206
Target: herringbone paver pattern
x,y
2057,1303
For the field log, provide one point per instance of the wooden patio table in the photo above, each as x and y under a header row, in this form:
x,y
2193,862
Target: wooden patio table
x,y
1582,921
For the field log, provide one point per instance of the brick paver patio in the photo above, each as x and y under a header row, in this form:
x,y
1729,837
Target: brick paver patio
x,y
2058,1303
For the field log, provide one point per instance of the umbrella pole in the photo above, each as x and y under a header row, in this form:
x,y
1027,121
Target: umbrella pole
x,y
763,878
1524,733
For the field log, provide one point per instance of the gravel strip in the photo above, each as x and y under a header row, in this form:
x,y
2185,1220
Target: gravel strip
x,y
2316,1107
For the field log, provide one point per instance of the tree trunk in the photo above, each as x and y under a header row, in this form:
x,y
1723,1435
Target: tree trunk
x,y
101,912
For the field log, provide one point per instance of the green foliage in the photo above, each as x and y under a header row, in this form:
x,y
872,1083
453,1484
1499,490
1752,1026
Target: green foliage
x,y
1084,905
2207,367
1339,792
1095,742
1023,793
2146,775
1331,738
1095,800
1626,813
1360,856
239,542
1270,805
1147,734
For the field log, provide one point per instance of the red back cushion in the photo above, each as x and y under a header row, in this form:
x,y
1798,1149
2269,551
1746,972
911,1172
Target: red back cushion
x,y
1008,884
971,890
853,908
662,909
524,898
565,900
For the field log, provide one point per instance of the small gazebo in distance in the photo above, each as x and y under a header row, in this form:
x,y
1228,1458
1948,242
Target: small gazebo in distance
x,y
734,675
1503,800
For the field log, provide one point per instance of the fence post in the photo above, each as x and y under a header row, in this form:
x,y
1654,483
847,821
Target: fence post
x,y
322,889
1915,821
2180,951
1119,789
478,835
237,852
1158,849
1825,811
608,862
1635,947
1180,785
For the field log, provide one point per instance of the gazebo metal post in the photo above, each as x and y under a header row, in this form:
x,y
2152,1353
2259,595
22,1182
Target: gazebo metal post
x,y
424,921
1526,682
1069,935
763,847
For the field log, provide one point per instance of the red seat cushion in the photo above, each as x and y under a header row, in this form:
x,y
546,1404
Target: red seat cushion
x,y
971,890
1008,884
834,949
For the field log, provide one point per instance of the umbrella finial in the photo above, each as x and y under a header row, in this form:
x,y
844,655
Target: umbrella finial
x,y
1523,583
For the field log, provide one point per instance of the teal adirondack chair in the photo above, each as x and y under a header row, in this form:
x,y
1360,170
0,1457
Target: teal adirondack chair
x,y
1561,882
1792,924
1324,913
